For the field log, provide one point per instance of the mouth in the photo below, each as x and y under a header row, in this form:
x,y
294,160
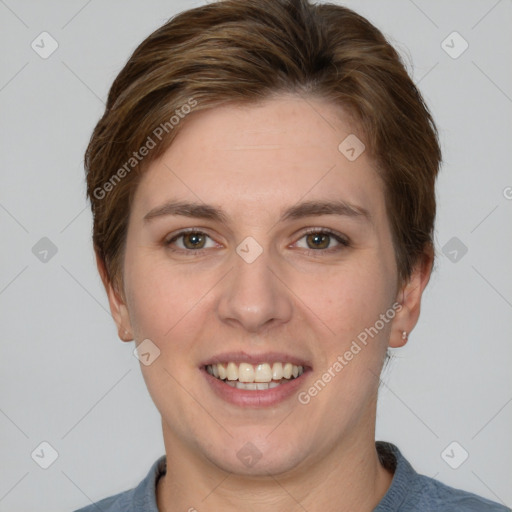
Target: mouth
x,y
255,377
255,380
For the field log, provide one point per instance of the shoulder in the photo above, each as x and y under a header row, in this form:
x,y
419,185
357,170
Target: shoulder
x,y
117,503
430,494
410,491
139,499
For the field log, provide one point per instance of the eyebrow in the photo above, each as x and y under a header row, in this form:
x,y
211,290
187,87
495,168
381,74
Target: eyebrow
x,y
298,211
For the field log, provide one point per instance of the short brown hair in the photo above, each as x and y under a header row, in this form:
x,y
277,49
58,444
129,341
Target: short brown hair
x,y
245,51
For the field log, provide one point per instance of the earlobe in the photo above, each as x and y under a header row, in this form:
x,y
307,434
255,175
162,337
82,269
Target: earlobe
x,y
409,297
398,337
117,304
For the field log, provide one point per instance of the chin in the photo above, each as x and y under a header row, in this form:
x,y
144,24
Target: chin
x,y
257,455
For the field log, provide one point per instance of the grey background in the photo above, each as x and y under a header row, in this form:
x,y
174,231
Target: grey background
x,y
66,378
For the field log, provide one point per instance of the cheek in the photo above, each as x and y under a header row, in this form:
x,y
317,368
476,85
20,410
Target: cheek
x,y
160,297
348,300
352,353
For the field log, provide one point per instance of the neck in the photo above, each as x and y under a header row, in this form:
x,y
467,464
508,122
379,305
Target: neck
x,y
350,477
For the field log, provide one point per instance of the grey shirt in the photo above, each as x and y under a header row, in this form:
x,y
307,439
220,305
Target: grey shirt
x,y
408,492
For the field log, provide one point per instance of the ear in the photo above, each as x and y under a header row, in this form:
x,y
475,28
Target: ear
x,y
409,297
117,303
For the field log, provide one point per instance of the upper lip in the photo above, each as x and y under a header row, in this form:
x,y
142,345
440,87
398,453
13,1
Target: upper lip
x,y
252,358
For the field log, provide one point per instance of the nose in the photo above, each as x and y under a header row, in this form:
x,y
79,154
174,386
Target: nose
x,y
254,295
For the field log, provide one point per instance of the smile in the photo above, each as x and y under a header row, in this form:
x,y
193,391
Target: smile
x,y
257,377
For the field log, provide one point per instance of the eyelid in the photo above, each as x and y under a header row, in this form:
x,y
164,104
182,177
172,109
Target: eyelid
x,y
184,231
343,242
328,231
178,234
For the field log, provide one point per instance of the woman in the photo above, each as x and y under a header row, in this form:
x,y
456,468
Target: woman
x,y
262,186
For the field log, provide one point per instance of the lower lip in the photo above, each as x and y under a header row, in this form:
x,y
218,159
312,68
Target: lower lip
x,y
258,398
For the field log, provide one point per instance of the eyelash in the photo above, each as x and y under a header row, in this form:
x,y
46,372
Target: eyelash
x,y
344,243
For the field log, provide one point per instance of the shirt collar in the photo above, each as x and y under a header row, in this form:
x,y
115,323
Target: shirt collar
x,y
389,456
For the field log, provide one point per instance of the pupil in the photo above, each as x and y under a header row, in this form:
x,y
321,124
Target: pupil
x,y
317,237
195,239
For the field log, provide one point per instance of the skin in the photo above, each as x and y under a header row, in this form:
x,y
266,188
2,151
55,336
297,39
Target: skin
x,y
253,162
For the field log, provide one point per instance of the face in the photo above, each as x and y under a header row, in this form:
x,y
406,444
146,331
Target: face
x,y
253,241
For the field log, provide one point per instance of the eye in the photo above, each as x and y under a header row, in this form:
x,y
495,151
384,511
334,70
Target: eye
x,y
323,240
191,240
317,241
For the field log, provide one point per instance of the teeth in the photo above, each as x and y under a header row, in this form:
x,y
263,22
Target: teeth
x,y
246,385
222,371
256,385
277,371
245,372
263,373
260,376
231,371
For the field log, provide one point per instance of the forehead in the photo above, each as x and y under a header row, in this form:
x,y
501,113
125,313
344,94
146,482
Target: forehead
x,y
249,158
